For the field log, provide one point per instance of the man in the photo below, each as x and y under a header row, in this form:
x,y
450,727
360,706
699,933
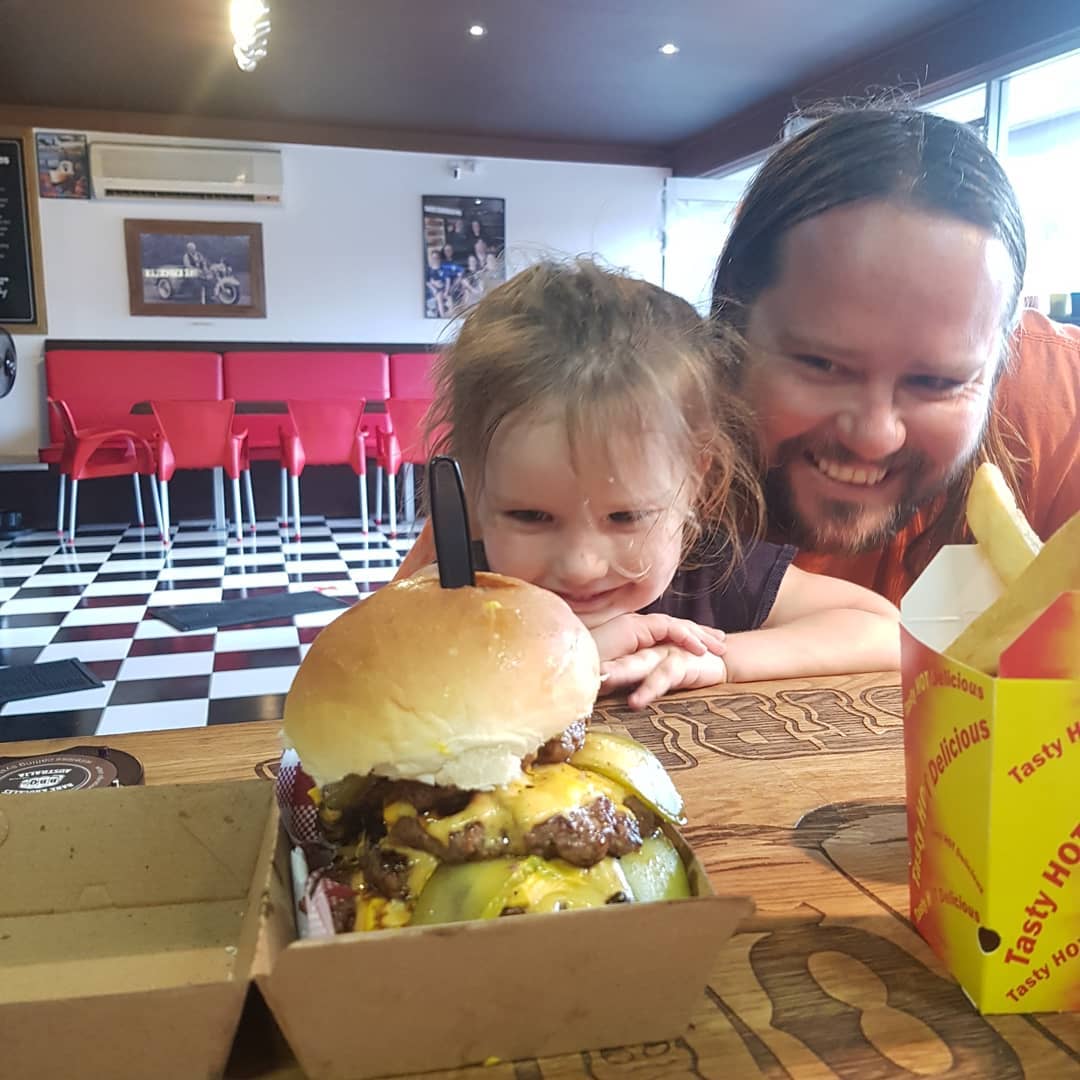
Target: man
x,y
874,270
460,240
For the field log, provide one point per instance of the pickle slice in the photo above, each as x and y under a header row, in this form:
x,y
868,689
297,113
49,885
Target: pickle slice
x,y
656,872
630,764
494,887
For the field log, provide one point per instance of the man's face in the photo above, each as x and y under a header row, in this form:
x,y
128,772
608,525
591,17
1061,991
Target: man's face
x,y
871,367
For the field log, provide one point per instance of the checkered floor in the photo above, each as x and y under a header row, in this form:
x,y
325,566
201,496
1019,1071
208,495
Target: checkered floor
x,y
95,600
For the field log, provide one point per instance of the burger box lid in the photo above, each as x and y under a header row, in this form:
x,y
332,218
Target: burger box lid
x,y
128,923
362,1005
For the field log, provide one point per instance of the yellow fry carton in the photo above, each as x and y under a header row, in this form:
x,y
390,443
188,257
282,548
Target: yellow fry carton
x,y
993,792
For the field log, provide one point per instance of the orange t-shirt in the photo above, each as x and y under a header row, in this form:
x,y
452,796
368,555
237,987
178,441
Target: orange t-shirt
x,y
1039,395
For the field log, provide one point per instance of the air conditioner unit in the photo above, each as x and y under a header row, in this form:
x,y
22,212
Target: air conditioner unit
x,y
153,171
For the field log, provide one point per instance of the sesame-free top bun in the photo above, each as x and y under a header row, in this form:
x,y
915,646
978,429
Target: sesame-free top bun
x,y
446,686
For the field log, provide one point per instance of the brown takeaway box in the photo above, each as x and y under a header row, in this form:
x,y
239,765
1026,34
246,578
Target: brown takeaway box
x,y
128,924
406,1001
132,920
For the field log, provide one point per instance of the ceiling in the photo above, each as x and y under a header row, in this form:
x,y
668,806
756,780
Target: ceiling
x,y
572,70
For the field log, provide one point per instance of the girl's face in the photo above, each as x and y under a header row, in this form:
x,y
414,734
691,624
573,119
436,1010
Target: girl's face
x,y
605,537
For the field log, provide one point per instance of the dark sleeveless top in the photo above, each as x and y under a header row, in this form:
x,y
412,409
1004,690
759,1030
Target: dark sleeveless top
x,y
741,601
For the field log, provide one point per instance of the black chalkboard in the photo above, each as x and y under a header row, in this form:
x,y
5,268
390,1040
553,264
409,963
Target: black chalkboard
x,y
18,303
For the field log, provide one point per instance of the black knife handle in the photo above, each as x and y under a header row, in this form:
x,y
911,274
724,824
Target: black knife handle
x,y
450,522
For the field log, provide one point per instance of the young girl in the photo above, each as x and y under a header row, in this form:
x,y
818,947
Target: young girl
x,y
602,459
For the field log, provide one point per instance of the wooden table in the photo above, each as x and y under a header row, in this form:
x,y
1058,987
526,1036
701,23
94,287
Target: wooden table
x,y
794,793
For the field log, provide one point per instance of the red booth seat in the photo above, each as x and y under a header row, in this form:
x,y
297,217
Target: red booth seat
x,y
285,375
410,375
101,385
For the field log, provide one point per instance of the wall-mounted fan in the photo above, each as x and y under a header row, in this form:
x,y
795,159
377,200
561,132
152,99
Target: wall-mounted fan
x,y
8,363
10,520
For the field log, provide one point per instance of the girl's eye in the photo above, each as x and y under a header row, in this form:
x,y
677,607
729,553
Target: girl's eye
x,y
629,517
816,363
528,517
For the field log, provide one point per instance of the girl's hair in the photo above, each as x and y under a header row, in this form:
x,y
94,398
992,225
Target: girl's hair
x,y
901,155
613,354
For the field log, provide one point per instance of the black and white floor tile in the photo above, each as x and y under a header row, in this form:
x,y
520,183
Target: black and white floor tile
x,y
95,600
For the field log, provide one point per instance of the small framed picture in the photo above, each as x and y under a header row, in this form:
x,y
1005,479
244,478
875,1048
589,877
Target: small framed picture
x,y
63,166
464,239
195,268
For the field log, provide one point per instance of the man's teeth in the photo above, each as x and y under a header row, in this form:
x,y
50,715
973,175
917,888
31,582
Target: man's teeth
x,y
846,474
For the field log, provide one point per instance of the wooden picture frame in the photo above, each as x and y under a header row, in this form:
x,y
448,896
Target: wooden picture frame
x,y
22,279
195,269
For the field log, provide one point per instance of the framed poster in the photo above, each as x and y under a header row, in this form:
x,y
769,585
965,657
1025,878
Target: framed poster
x,y
195,268
464,241
22,297
63,166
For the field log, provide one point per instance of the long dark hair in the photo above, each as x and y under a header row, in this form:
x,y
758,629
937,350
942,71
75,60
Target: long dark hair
x,y
895,154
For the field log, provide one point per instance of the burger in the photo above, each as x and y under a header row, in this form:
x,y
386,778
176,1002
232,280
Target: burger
x,y
454,775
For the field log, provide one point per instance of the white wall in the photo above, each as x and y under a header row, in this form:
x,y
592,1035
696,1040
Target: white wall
x,y
343,254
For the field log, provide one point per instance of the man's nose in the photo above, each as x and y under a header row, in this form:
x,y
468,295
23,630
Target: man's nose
x,y
871,427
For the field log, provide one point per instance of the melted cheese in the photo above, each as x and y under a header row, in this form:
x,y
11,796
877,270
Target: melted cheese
x,y
374,912
507,814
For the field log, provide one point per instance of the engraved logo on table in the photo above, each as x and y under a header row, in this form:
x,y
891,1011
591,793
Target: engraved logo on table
x,y
861,996
790,723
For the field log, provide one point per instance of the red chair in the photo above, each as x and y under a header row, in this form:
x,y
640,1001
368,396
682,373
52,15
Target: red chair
x,y
405,444
199,435
93,453
325,433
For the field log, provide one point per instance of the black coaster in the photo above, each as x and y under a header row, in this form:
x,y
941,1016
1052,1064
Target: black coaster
x,y
75,769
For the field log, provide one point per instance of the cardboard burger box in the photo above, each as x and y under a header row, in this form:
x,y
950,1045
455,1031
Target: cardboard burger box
x,y
993,772
133,920
129,919
372,1004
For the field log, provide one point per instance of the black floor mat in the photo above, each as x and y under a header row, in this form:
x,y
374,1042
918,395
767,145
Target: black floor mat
x,y
39,680
256,609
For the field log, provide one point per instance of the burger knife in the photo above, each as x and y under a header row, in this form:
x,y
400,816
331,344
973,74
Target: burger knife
x,y
450,523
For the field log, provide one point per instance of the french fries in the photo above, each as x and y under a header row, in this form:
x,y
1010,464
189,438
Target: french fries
x,y
1054,570
1003,533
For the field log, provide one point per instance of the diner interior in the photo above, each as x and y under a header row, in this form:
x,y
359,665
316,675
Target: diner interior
x,y
235,238
628,136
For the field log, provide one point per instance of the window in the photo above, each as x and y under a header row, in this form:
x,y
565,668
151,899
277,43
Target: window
x,y
1040,149
697,219
966,107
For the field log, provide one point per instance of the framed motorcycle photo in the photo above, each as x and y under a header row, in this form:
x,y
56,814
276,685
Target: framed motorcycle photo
x,y
208,269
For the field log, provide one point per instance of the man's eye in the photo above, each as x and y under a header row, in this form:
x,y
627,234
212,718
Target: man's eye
x,y
935,384
816,363
528,517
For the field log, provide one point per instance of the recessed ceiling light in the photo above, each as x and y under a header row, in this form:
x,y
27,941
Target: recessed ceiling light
x,y
670,49
477,30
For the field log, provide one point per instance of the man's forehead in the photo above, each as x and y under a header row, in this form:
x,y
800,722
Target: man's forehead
x,y
872,278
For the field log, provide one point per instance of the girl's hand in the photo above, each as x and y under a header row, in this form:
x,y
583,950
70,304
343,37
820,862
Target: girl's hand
x,y
659,669
625,635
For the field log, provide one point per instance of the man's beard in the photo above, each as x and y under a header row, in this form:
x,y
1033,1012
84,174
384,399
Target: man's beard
x,y
845,526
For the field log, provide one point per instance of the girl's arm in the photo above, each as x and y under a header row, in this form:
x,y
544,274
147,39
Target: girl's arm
x,y
818,626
